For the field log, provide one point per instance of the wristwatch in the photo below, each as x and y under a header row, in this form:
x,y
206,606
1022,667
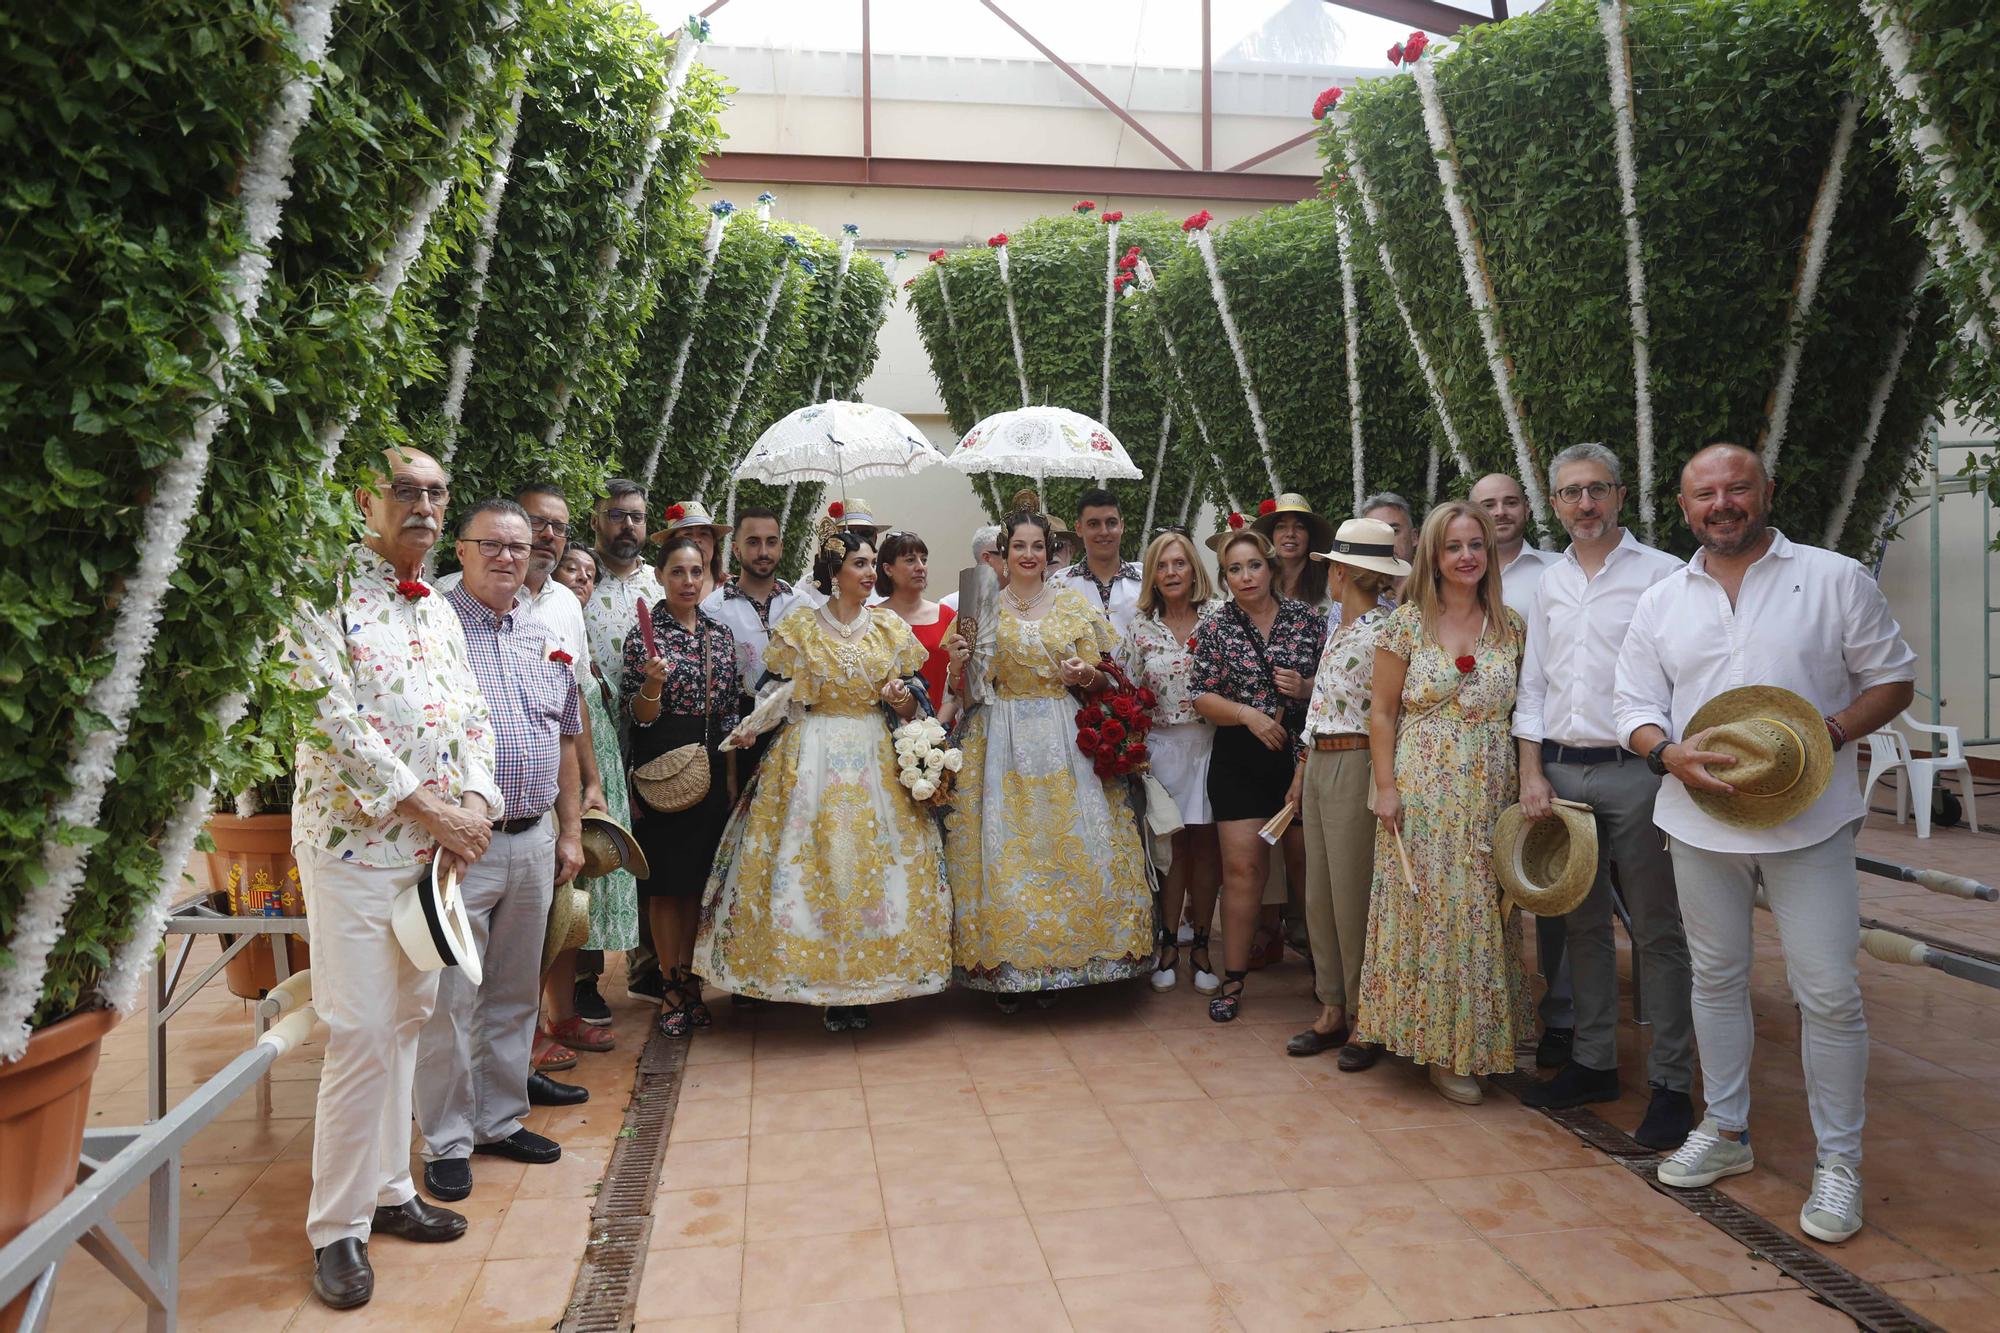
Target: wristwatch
x,y
1656,758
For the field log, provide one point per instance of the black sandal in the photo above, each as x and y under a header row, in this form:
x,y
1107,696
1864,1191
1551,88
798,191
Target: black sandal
x,y
857,1017
1224,1007
674,1021
696,1006
835,1018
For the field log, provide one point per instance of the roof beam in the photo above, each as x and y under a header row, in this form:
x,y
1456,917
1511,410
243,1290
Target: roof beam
x,y
910,173
1430,15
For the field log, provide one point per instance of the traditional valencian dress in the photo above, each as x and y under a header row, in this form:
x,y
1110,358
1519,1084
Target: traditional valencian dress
x,y
829,886
1047,872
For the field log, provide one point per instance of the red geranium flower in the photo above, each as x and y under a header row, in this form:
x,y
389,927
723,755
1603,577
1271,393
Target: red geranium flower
x,y
1116,215
558,655
1465,664
676,512
1235,522
412,589
1413,46
836,510
1266,507
997,240
1198,222
1082,206
1088,741
937,256
1324,103
1396,54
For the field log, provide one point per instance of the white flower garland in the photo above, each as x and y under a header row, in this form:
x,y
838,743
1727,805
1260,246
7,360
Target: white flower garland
x,y
1431,477
1819,228
1145,272
1878,404
1013,324
749,368
1479,290
1110,304
1359,176
475,285
1350,311
709,246
1205,245
1928,144
264,187
833,304
1611,20
1159,466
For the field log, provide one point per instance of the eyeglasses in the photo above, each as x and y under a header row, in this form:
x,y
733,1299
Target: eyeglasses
x,y
408,493
493,550
637,516
536,524
1596,490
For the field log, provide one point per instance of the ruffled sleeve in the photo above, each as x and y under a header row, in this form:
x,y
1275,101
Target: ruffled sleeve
x,y
1404,628
1084,630
782,654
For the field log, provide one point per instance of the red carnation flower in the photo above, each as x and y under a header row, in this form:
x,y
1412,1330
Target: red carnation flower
x,y
1128,262
1413,46
1465,664
1116,215
836,510
1324,103
558,655
1118,283
1266,507
997,240
1236,522
1396,54
676,512
412,589
1088,741
937,256
1198,222
1082,206
1147,699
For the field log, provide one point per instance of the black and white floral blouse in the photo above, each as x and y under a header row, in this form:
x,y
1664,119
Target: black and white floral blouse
x,y
682,650
1226,662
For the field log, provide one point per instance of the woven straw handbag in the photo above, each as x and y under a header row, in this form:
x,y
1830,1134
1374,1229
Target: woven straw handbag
x,y
677,780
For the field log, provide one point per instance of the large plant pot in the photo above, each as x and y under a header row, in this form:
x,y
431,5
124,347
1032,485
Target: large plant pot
x,y
253,870
44,1097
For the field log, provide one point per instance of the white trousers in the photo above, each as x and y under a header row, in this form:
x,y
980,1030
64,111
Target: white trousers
x,y
1815,896
374,1003
478,1048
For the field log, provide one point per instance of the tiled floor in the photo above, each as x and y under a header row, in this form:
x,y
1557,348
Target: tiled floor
x,y
1119,1161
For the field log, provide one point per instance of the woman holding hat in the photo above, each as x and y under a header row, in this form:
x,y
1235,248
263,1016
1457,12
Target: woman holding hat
x,y
829,885
690,518
1334,784
1296,533
1441,983
1251,677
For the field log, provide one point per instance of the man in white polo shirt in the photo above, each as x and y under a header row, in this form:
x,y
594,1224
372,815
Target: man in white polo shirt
x,y
1754,608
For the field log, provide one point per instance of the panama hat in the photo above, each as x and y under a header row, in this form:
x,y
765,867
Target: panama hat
x,y
429,923
1784,757
1319,530
607,846
685,514
1546,865
855,515
1366,543
569,922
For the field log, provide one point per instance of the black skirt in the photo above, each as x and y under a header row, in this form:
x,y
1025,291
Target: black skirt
x,y
1246,780
680,847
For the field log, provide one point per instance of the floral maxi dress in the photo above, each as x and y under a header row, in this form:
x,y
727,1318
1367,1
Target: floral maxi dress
x,y
1442,981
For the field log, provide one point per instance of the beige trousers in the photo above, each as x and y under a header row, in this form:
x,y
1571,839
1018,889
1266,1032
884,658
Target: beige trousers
x,y
1340,866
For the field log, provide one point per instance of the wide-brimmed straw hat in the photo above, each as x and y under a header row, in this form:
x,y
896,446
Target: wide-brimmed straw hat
x,y
856,512
1366,543
1319,530
430,925
607,846
1546,865
569,922
685,514
1233,526
1784,757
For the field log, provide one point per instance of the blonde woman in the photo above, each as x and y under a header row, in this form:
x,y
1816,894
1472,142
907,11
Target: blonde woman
x,y
1442,982
1175,596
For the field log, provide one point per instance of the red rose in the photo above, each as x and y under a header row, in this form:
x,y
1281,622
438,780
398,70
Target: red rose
x,y
558,655
997,240
1115,216
1396,54
676,512
1082,206
1090,715
1198,222
413,589
1113,731
1324,103
1235,522
1128,261
836,510
1123,708
1088,741
1266,507
1147,699
1105,766
1466,663
1118,283
937,256
1413,46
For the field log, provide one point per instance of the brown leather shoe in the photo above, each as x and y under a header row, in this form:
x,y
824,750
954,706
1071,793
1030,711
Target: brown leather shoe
x,y
419,1221
342,1278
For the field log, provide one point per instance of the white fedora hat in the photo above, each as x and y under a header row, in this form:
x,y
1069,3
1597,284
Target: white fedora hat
x,y
1366,543
430,925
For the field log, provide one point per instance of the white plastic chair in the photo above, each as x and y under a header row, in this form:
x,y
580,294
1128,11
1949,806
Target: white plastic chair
x,y
1924,773
1887,752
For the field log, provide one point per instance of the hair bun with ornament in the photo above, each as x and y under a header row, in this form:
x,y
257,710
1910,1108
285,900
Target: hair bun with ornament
x,y
1026,500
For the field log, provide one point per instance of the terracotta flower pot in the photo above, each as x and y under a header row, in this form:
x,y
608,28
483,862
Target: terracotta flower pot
x,y
252,867
44,1096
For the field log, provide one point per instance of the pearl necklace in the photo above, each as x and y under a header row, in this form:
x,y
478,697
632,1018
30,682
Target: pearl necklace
x,y
852,629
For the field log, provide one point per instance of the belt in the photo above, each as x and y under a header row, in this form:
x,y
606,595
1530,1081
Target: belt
x,y
1553,753
1350,741
521,825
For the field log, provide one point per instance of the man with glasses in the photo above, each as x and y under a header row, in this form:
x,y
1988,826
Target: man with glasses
x,y
473,1058
398,776
1570,748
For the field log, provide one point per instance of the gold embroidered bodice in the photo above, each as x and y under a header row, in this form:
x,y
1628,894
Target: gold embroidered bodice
x,y
1028,654
841,677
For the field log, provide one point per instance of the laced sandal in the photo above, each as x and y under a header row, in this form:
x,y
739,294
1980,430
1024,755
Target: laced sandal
x,y
1206,982
676,1020
1229,1002
1166,966
696,1006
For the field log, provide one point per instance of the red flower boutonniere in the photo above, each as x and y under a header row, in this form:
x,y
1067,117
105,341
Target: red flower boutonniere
x,y
1465,664
676,512
1266,507
1083,206
558,655
411,589
1413,46
1396,54
937,256
1115,215
997,240
836,510
1199,222
1324,103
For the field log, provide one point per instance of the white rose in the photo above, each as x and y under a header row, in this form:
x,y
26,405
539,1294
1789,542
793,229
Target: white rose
x,y
932,762
923,791
909,776
953,760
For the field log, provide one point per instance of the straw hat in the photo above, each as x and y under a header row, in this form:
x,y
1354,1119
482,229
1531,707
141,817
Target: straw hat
x,y
430,925
1366,543
1319,530
686,514
856,515
569,922
607,846
1233,525
1546,865
1784,757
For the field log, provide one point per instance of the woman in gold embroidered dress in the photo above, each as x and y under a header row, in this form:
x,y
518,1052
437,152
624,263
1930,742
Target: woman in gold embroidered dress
x,y
1047,872
829,885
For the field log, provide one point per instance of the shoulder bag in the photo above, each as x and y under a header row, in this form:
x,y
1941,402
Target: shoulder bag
x,y
677,780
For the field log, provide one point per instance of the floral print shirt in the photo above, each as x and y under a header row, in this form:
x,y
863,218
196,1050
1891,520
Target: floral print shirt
x,y
400,712
1226,660
682,649
1159,659
1345,685
612,611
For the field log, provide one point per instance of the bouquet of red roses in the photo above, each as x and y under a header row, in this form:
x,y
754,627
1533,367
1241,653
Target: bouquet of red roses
x,y
1111,727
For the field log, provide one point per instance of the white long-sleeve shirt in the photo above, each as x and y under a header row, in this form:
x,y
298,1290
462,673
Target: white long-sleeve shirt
x,y
1807,619
1576,625
1520,576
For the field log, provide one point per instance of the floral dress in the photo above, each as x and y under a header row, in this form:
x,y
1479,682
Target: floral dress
x,y
614,898
1048,875
1442,982
1157,658
829,885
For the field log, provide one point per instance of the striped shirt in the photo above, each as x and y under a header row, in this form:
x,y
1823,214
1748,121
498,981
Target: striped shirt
x,y
531,695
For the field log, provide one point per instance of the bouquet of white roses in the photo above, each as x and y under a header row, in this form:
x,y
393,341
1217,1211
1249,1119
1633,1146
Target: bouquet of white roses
x,y
925,764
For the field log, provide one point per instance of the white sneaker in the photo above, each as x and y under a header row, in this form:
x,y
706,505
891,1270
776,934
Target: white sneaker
x,y
1165,979
1705,1158
1185,935
1833,1209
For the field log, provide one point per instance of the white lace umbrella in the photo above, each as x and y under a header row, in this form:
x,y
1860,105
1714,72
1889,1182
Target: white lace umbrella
x,y
1043,442
835,440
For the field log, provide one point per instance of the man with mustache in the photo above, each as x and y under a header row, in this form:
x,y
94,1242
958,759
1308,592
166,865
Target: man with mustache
x,y
749,603
1568,742
1755,608
398,777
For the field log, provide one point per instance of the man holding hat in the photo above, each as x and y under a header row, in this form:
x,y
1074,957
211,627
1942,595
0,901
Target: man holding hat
x,y
397,777
1104,575
1569,748
1743,677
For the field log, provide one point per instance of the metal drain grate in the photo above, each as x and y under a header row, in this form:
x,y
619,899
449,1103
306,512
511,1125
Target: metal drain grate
x,y
607,1287
1860,1300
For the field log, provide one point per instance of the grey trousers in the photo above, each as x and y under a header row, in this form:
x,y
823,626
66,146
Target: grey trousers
x,y
476,1051
1622,795
1340,869
1558,1006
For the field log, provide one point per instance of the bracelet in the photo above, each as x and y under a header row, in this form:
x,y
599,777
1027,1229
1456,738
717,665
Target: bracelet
x,y
649,698
1838,732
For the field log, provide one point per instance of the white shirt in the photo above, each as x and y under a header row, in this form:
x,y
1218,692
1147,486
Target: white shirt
x,y
613,611
1576,625
557,608
1119,602
1519,577
732,607
1807,619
